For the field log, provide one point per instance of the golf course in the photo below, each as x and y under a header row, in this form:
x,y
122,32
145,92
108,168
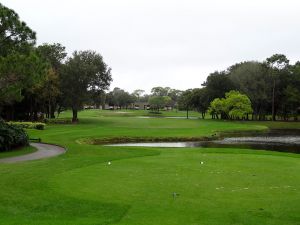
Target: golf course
x,y
94,184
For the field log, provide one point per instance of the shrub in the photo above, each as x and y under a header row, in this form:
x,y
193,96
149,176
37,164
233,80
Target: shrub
x,y
11,136
29,125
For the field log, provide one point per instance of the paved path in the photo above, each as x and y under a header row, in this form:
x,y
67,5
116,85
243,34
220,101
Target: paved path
x,y
43,151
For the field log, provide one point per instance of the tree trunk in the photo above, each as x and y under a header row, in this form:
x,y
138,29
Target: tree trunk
x,y
58,111
187,112
49,108
52,112
75,118
273,102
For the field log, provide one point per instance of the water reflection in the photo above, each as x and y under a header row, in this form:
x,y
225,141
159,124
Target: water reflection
x,y
283,141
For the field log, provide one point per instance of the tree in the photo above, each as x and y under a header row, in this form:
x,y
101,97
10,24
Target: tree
x,y
289,92
138,94
48,91
185,101
217,84
292,100
237,105
15,35
217,106
160,91
19,63
98,98
200,100
119,97
18,72
158,102
276,64
83,73
234,106
53,54
174,94
251,79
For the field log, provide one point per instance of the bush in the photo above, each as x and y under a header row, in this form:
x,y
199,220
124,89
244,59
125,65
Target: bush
x,y
29,125
11,136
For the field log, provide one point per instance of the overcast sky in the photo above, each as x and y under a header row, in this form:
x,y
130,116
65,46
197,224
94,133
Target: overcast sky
x,y
171,43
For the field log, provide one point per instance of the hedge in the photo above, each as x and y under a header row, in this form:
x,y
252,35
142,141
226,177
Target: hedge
x,y
29,125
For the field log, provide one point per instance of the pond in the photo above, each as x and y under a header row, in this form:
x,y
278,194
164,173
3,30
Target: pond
x,y
275,140
167,117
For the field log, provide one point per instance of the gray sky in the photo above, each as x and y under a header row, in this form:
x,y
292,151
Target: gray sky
x,y
171,43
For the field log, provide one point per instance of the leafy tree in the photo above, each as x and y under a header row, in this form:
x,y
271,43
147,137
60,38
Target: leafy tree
x,y
217,106
20,65
237,105
217,84
85,72
234,106
292,100
15,35
54,55
160,91
144,98
98,98
167,91
200,100
158,102
48,91
289,92
174,94
251,79
185,101
119,97
138,94
276,64
18,72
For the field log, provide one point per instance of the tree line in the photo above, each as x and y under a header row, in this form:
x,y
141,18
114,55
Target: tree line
x,y
40,80
272,86
159,97
248,90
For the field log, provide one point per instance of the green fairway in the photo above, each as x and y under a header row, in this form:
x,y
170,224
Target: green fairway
x,y
17,152
157,186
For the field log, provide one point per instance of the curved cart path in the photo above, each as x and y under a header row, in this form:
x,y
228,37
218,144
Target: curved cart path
x,y
43,151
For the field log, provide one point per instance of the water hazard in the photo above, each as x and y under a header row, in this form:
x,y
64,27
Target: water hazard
x,y
275,140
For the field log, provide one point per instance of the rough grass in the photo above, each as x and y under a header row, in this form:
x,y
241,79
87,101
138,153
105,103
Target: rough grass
x,y
231,186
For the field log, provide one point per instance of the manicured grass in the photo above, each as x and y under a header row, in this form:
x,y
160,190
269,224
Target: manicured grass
x,y
232,186
134,113
17,152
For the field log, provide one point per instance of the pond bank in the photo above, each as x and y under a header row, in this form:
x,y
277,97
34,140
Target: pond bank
x,y
275,140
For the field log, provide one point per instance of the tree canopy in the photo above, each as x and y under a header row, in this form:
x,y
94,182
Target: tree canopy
x,y
234,106
15,35
83,73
